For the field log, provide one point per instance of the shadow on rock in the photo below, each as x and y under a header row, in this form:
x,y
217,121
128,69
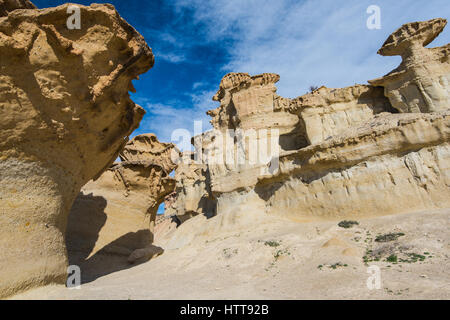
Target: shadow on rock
x,y
86,219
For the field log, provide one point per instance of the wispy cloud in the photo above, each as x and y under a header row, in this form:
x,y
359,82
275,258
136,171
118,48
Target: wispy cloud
x,y
171,57
308,42
164,119
197,85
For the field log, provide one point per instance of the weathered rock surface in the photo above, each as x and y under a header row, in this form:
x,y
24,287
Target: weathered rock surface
x,y
192,195
146,147
116,214
65,114
337,153
421,82
393,164
6,6
328,112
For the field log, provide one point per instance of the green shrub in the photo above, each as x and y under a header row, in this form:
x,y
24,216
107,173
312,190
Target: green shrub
x,y
389,237
347,224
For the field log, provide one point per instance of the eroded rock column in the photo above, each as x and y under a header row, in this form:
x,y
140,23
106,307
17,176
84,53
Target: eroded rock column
x,y
65,114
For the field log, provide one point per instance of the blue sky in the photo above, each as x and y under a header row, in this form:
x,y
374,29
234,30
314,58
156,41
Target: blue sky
x,y
310,42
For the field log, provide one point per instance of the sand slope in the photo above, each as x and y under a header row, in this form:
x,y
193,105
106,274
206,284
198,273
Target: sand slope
x,y
256,257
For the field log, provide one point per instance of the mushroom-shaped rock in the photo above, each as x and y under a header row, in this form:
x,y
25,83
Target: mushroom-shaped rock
x,y
65,114
412,34
147,147
421,82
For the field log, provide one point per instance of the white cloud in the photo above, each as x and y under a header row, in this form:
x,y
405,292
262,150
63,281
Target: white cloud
x,y
164,119
197,85
309,42
171,57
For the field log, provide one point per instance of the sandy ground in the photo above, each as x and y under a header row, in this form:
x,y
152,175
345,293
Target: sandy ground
x,y
268,258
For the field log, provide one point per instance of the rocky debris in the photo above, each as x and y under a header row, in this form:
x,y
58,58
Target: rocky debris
x,y
421,82
65,114
337,153
145,254
131,192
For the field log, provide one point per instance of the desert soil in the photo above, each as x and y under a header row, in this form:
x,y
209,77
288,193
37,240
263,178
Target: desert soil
x,y
272,258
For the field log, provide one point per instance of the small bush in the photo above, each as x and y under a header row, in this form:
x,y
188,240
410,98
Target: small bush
x,y
273,244
313,88
389,237
413,257
347,224
392,258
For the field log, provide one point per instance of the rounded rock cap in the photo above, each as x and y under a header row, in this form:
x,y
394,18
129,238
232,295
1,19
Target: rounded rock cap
x,y
422,32
234,80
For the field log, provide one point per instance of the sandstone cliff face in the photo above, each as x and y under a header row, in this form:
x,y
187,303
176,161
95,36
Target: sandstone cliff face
x,y
328,112
338,153
65,114
393,164
116,214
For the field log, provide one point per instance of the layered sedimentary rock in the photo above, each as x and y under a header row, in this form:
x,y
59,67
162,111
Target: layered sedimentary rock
x,y
328,112
65,114
247,120
421,82
395,163
337,153
116,214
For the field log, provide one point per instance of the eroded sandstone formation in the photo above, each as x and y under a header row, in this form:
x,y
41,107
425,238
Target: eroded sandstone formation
x,y
338,153
116,214
7,6
421,82
393,164
146,147
192,195
65,114
328,112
